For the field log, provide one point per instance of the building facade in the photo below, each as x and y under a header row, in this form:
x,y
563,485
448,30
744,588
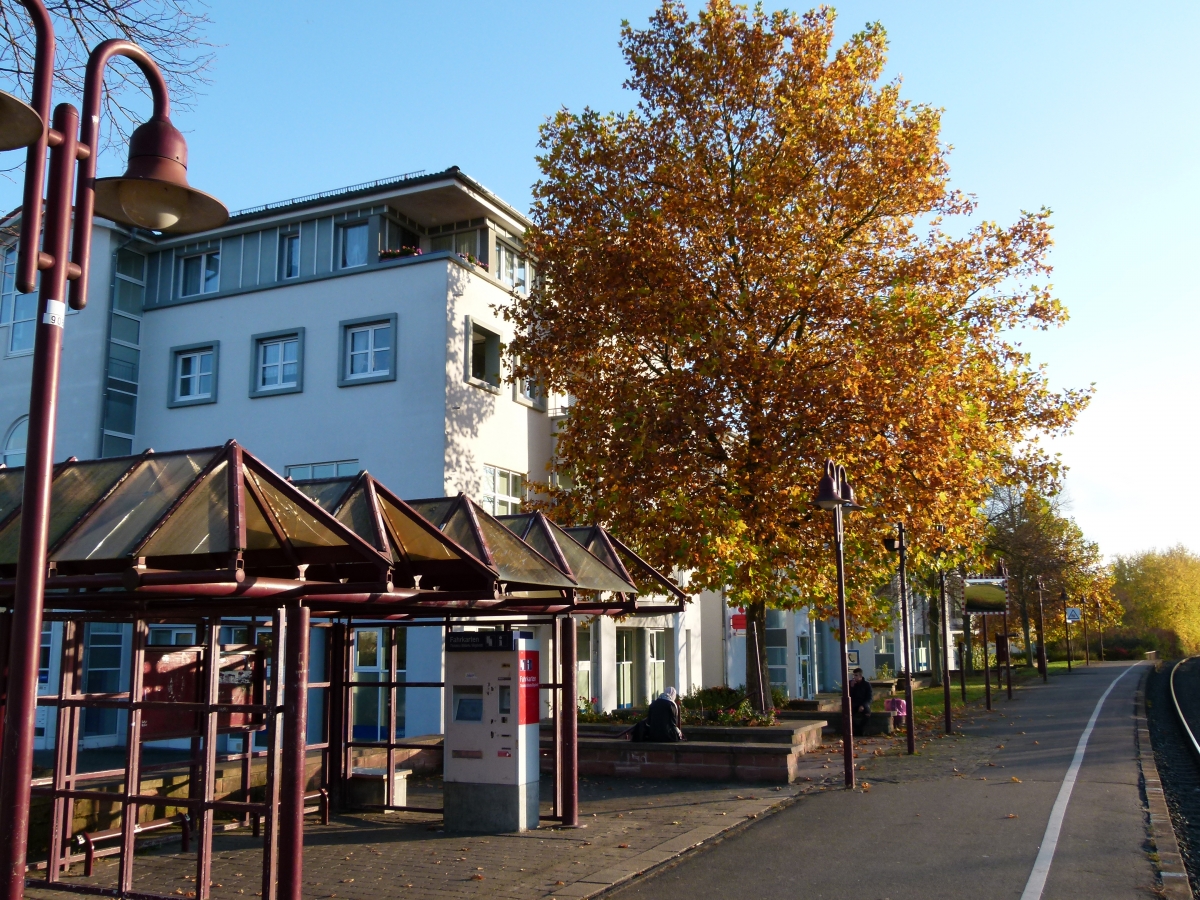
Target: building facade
x,y
357,329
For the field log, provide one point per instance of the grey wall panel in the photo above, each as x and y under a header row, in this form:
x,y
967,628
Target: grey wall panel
x,y
231,263
268,264
325,245
250,250
308,247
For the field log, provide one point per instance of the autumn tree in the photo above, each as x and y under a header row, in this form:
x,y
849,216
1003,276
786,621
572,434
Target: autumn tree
x,y
1028,528
171,31
1160,591
748,273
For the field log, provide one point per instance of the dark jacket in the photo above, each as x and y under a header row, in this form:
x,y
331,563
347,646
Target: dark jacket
x,y
663,721
861,694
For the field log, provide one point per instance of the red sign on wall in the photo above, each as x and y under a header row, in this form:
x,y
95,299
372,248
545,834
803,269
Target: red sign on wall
x,y
737,621
528,679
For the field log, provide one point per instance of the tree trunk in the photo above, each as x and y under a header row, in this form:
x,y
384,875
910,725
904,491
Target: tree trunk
x,y
758,682
935,645
1029,658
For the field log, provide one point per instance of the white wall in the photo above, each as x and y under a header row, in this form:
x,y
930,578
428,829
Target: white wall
x,y
394,428
81,378
482,427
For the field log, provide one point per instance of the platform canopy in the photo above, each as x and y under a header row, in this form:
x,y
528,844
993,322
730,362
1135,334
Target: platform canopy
x,y
617,556
568,555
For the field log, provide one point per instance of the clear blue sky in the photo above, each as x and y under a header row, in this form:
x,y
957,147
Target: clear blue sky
x,y
1086,107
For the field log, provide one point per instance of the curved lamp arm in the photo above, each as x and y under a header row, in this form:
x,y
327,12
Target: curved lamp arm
x,y
35,158
85,189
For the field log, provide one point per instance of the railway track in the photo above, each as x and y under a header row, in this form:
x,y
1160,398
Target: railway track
x,y
1173,715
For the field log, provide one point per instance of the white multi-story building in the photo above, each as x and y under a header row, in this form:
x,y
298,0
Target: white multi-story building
x,y
360,328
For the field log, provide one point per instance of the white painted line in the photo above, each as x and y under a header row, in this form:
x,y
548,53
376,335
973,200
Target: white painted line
x,y
1041,866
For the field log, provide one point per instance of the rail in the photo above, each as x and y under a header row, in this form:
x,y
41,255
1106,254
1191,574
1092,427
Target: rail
x,y
1179,712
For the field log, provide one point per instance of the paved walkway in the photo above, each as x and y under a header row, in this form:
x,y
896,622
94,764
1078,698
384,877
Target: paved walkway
x,y
630,826
965,818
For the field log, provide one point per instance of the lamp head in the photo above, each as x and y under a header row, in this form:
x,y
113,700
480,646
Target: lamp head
x,y
892,544
20,125
154,192
1063,595
847,491
829,496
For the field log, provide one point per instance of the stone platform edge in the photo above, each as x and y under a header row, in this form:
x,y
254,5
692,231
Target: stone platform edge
x,y
1167,860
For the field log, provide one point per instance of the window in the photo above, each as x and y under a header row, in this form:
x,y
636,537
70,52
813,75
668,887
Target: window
x,y
776,642
367,350
290,254
14,443
23,325
201,274
624,668
278,363
354,245
124,355
528,392
511,268
465,244
193,374
483,357
172,636
8,285
503,491
337,469
658,662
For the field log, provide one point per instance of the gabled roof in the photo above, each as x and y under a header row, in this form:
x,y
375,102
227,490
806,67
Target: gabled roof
x,y
520,566
186,510
604,545
572,558
419,552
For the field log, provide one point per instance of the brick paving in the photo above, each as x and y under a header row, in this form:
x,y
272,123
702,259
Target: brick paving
x,y
631,825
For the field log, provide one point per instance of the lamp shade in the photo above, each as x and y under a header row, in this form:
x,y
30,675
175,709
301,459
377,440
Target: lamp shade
x,y
20,125
154,192
828,495
847,491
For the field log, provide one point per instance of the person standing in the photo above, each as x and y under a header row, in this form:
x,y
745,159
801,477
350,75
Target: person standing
x,y
861,695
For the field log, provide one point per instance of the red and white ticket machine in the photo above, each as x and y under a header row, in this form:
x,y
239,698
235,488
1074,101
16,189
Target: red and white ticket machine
x,y
492,716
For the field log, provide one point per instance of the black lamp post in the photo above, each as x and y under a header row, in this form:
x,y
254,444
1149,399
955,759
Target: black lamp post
x,y
898,545
835,495
1100,627
153,193
944,613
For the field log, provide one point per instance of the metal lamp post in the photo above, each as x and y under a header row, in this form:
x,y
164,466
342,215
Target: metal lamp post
x,y
834,494
1042,634
898,545
1100,627
944,613
1007,637
153,193
1067,626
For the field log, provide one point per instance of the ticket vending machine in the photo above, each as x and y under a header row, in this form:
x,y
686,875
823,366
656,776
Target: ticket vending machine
x,y
490,760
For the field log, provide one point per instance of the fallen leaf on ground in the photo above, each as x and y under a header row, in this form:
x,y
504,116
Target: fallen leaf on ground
x,y
1016,779
1011,816
622,846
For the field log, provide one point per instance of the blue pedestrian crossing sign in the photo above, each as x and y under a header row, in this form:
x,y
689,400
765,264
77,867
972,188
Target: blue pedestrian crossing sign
x,y
1074,614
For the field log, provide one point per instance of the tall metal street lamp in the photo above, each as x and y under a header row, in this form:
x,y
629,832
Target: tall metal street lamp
x,y
1042,667
1067,626
898,545
1003,567
835,495
153,194
1100,627
944,614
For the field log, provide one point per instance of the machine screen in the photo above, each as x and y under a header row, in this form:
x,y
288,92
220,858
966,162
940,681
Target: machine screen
x,y
505,700
468,704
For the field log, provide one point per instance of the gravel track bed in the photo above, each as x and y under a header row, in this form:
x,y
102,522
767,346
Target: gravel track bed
x,y
1178,767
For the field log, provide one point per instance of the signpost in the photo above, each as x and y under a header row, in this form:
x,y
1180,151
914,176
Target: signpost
x,y
1074,614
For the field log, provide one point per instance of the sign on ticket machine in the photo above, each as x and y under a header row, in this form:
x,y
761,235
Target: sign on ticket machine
x,y
492,698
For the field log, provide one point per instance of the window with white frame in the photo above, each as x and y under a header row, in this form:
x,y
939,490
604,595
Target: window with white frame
x,y
8,285
290,254
194,374
278,363
200,274
511,268
23,325
14,443
338,468
503,491
354,245
369,350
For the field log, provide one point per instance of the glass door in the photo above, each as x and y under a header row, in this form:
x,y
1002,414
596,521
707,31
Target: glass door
x,y
369,703
658,663
624,668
